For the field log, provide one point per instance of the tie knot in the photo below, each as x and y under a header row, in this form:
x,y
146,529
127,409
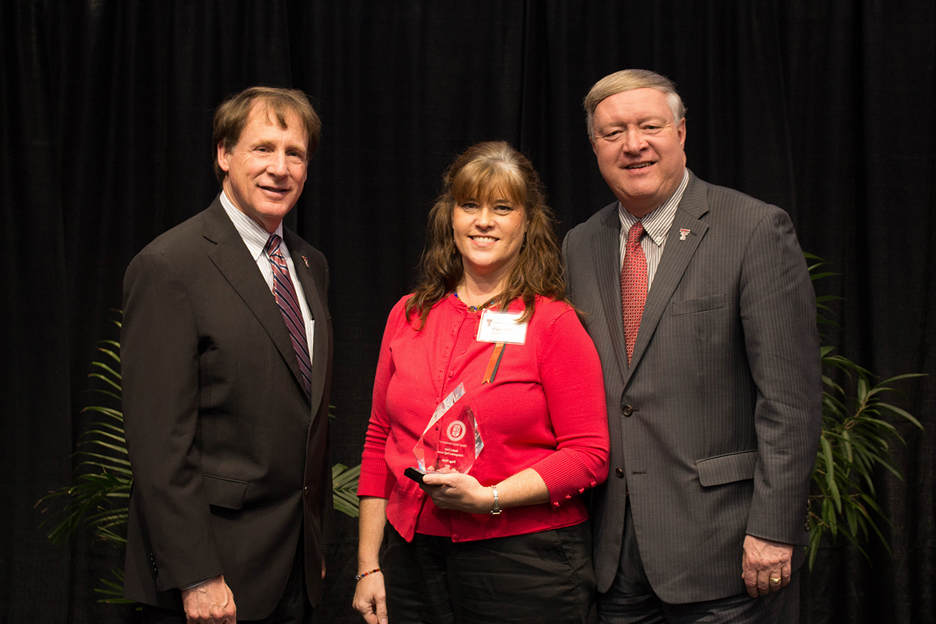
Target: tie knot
x,y
635,233
273,245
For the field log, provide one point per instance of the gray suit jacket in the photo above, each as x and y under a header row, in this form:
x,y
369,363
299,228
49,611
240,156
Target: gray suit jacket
x,y
229,455
715,423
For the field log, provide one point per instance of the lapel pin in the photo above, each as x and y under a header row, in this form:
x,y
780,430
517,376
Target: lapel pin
x,y
306,260
683,233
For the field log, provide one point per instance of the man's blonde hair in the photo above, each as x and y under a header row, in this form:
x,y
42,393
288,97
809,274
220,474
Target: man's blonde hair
x,y
628,80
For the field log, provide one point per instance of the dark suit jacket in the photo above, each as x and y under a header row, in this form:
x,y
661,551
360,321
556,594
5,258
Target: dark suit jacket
x,y
229,457
715,423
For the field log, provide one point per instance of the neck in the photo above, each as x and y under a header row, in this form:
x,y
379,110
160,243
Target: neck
x,y
640,207
475,291
268,225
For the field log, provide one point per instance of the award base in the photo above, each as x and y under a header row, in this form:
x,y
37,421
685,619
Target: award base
x,y
414,474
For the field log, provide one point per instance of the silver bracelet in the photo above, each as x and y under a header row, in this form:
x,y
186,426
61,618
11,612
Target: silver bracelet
x,y
496,511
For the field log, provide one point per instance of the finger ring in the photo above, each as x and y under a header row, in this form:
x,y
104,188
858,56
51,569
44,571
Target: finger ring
x,y
775,581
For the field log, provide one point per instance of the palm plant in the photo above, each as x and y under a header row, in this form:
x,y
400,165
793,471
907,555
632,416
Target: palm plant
x,y
856,438
99,494
100,490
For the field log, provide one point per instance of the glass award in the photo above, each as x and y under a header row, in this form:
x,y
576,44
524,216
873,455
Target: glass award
x,y
451,441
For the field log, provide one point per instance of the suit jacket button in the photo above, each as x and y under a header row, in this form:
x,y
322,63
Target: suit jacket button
x,y
619,472
627,410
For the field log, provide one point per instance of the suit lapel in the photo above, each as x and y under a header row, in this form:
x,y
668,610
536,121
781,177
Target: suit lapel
x,y
233,260
673,263
307,279
608,270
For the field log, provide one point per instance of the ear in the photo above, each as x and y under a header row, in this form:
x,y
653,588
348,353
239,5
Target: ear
x,y
224,157
681,131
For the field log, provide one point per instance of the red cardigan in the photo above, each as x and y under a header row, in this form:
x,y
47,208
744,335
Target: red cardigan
x,y
545,410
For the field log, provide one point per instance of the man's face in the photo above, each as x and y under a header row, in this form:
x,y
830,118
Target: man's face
x,y
267,168
639,147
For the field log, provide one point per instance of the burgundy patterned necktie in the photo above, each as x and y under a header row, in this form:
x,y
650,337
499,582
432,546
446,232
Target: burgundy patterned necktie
x,y
633,286
288,303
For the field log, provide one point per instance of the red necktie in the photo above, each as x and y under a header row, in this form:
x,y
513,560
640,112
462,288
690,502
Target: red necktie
x,y
633,286
288,303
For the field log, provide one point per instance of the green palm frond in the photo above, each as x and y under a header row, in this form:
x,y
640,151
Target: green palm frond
x,y
101,485
856,439
344,484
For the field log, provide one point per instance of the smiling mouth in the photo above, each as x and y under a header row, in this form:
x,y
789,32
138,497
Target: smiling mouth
x,y
642,165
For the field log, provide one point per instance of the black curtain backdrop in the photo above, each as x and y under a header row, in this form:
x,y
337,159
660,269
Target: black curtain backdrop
x,y
820,106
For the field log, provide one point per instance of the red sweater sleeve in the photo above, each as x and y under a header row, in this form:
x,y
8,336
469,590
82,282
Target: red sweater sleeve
x,y
376,478
572,382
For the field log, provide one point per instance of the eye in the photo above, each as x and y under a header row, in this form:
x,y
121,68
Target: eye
x,y
468,206
651,128
503,209
612,136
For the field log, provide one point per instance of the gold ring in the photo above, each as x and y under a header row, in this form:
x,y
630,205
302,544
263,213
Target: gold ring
x,y
775,581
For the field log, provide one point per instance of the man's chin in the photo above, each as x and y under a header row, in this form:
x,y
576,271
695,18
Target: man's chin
x,y
276,209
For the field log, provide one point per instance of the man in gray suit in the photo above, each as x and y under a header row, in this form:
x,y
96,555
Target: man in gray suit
x,y
226,352
703,313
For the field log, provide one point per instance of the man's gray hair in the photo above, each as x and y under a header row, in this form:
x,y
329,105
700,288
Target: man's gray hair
x,y
628,80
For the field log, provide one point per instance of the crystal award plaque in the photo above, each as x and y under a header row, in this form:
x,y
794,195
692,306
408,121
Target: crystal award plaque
x,y
451,441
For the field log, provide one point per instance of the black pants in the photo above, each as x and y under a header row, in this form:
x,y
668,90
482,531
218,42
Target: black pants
x,y
527,579
631,600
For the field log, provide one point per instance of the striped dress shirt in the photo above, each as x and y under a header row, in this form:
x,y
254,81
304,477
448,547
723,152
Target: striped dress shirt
x,y
656,225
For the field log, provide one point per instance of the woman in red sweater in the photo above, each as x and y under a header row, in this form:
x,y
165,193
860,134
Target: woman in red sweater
x,y
508,540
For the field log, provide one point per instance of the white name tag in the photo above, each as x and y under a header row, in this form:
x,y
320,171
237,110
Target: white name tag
x,y
501,327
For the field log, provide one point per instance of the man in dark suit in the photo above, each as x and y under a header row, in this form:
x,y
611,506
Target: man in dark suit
x,y
702,311
226,352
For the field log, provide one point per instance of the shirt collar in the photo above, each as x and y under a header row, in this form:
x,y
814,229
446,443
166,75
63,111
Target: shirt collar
x,y
657,223
255,237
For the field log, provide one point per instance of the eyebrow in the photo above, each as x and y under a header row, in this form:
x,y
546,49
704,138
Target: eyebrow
x,y
269,142
619,124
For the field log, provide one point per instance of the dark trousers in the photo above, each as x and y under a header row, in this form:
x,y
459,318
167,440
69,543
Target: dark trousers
x,y
631,600
293,606
524,579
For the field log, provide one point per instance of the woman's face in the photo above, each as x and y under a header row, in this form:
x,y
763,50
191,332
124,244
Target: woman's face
x,y
489,234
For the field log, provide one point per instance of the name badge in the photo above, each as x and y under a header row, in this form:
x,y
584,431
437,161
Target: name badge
x,y
502,327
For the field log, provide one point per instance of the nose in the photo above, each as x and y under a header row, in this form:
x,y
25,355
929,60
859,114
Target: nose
x,y
485,217
277,166
634,141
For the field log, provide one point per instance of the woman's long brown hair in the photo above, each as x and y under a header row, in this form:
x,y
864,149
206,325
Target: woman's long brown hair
x,y
481,172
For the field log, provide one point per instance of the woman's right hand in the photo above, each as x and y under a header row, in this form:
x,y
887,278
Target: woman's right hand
x,y
370,598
